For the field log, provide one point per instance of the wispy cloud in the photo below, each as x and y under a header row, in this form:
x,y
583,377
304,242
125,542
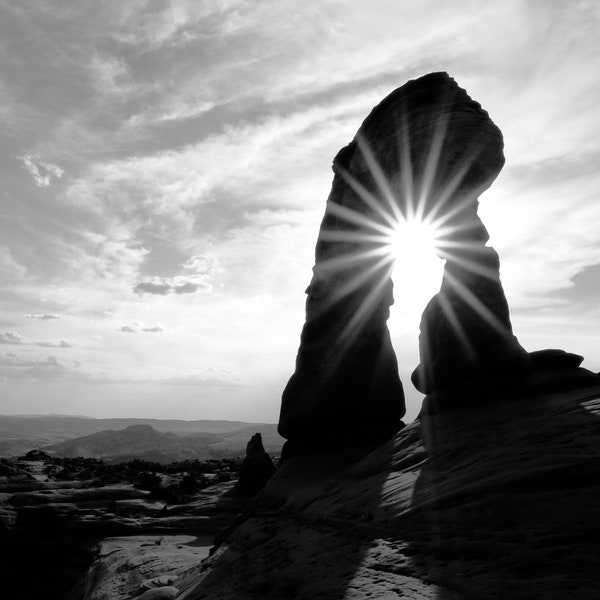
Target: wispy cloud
x,y
13,367
140,327
61,344
43,316
43,173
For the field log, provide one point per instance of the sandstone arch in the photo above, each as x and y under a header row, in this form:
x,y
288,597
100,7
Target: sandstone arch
x,y
427,146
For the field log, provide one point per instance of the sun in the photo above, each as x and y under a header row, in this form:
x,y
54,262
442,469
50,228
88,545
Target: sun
x,y
412,238
414,247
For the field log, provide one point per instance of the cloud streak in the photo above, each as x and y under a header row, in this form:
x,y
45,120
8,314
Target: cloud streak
x,y
179,285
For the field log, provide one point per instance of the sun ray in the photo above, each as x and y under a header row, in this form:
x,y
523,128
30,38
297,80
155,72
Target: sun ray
x,y
455,324
380,179
345,261
470,265
407,181
340,235
355,282
351,216
446,192
476,304
449,213
431,165
354,325
370,199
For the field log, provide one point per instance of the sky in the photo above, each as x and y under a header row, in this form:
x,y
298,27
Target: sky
x,y
164,169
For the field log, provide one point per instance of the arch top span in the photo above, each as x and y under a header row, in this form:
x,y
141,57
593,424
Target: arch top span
x,y
426,152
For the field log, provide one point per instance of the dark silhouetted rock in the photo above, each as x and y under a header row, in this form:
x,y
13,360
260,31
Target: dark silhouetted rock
x,y
426,149
466,332
552,359
256,469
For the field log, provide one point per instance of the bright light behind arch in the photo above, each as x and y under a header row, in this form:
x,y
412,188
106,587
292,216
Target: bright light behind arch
x,y
417,270
412,243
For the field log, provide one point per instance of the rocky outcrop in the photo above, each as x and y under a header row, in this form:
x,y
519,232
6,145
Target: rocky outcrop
x,y
50,533
501,502
140,566
427,150
256,469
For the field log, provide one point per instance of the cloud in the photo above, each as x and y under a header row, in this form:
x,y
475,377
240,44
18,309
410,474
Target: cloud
x,y
43,173
61,344
10,337
110,75
136,327
202,265
162,286
155,329
191,288
145,25
42,317
156,287
13,367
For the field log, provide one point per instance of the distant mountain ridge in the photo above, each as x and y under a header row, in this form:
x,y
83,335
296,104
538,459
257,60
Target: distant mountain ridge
x,y
19,434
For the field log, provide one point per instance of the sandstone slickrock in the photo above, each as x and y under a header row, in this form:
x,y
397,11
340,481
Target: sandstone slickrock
x,y
139,566
502,502
49,529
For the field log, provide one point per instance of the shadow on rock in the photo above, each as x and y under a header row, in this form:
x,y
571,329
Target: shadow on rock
x,y
303,537
507,504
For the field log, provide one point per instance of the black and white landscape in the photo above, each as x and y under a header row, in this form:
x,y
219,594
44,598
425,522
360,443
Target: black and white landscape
x,y
320,280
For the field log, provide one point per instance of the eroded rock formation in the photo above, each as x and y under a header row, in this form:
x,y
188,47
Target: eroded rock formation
x,y
256,469
426,149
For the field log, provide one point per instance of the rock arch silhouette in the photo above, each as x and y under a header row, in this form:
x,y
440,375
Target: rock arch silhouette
x,y
428,150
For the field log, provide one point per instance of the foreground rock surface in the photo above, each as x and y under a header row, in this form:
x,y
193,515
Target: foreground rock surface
x,y
52,532
500,502
140,566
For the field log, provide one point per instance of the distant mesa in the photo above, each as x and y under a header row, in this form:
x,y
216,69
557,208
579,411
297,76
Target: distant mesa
x,y
426,152
142,441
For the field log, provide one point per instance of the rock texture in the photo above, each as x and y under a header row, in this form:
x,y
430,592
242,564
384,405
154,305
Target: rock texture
x,y
51,532
140,566
503,502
